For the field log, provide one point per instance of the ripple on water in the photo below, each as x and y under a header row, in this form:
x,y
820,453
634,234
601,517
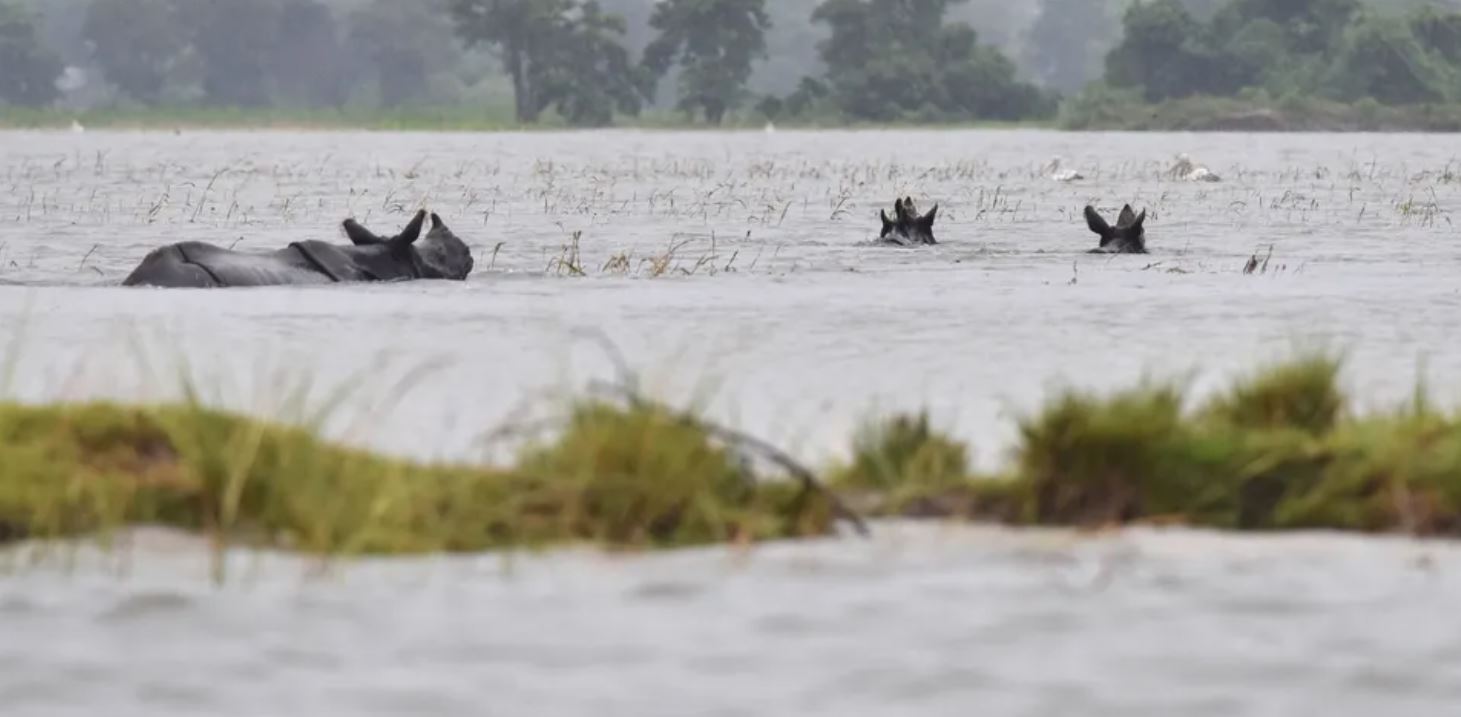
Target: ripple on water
x,y
802,332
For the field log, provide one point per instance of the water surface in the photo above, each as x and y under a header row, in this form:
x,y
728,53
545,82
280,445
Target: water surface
x,y
735,270
744,274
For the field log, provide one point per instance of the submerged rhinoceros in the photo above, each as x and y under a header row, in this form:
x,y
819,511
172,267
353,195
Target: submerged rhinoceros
x,y
908,228
439,255
1127,237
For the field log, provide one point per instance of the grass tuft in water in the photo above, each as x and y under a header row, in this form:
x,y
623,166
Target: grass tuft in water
x,y
905,451
643,475
1087,459
1277,452
618,477
1400,474
78,469
903,466
1280,451
1303,394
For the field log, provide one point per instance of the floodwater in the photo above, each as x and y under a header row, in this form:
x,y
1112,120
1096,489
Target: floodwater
x,y
923,620
735,271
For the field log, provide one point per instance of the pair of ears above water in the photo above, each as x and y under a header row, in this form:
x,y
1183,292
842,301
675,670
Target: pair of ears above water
x,y
360,236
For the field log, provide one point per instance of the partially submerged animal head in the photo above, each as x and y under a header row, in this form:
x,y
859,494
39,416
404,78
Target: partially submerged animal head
x,y
908,227
1127,237
438,255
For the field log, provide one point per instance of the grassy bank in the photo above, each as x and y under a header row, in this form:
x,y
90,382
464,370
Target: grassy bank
x,y
415,119
1282,449
477,119
451,119
1104,109
617,476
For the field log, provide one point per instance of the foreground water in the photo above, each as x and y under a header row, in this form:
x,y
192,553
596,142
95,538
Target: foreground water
x,y
921,620
735,270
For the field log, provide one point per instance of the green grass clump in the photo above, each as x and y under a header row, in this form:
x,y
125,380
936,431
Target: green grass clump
x,y
902,467
1384,474
76,469
1281,450
904,452
1085,459
618,476
1278,451
1303,394
644,475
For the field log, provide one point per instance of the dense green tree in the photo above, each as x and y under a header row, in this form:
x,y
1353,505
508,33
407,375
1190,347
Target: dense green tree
x,y
28,70
714,42
1310,26
893,59
525,33
1259,53
808,94
137,44
564,54
590,75
863,59
1380,57
1163,52
1438,32
1331,48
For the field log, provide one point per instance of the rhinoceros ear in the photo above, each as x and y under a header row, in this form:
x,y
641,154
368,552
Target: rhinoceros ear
x,y
1126,218
927,220
1097,223
359,235
412,232
887,223
1136,225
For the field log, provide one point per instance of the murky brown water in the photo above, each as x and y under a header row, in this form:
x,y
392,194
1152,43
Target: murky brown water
x,y
774,312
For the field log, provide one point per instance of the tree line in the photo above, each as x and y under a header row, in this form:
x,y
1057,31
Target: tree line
x,y
1337,49
877,60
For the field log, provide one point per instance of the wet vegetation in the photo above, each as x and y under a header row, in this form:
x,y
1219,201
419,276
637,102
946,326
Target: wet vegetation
x,y
1281,449
617,475
1137,64
1310,64
901,463
1104,108
577,62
